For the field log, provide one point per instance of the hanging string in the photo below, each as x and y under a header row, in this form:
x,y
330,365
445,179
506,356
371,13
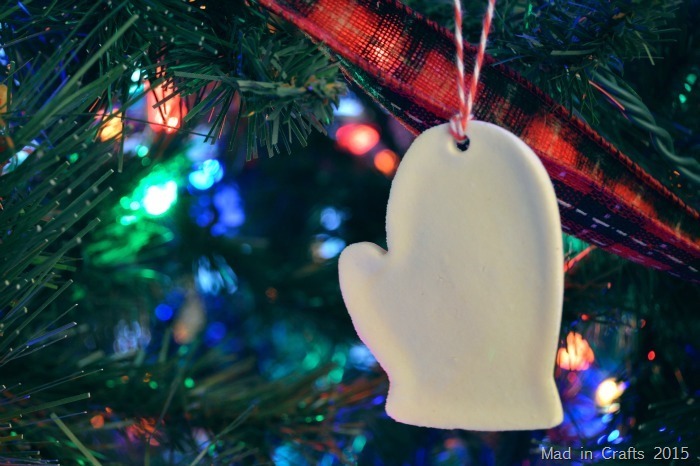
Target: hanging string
x,y
458,123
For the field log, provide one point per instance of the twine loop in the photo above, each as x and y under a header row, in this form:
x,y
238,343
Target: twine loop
x,y
458,123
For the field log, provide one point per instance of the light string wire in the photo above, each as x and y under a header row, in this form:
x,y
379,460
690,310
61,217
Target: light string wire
x,y
458,123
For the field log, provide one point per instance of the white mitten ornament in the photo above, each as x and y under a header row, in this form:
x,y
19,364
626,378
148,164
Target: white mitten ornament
x,y
463,311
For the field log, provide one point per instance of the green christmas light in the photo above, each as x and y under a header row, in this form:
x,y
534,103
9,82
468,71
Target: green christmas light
x,y
336,375
359,443
311,360
159,199
128,220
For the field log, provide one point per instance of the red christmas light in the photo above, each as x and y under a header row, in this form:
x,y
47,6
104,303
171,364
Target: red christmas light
x,y
358,139
166,117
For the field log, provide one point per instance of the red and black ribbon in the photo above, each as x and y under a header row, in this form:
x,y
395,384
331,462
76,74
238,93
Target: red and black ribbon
x,y
406,63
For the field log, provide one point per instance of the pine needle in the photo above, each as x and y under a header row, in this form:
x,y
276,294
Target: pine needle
x,y
88,455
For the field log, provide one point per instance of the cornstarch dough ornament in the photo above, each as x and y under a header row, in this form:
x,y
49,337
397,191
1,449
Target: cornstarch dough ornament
x,y
463,310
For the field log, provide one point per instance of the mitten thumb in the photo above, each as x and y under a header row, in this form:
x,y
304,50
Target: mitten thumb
x,y
359,266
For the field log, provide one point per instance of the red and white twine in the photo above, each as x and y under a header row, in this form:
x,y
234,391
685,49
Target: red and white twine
x,y
458,123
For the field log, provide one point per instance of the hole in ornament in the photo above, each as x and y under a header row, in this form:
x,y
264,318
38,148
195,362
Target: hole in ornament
x,y
463,146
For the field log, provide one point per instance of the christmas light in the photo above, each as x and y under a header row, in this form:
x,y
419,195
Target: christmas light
x,y
206,174
331,218
229,204
577,356
112,127
164,312
213,278
608,391
166,116
214,333
130,337
361,357
349,106
97,421
386,162
159,199
325,247
357,139
190,319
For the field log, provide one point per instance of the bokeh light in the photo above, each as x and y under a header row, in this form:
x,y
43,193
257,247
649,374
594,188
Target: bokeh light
x,y
608,391
325,247
215,275
159,199
130,337
358,139
577,356
331,218
229,205
111,126
205,174
164,312
215,332
349,106
386,161
361,357
167,116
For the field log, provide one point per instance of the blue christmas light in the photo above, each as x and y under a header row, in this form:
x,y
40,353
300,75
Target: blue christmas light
x,y
331,218
331,248
164,312
203,218
613,435
229,204
349,106
130,337
198,149
215,332
206,174
213,279
286,455
361,357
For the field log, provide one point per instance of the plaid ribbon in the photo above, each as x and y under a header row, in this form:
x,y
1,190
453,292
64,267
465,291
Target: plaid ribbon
x,y
406,63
